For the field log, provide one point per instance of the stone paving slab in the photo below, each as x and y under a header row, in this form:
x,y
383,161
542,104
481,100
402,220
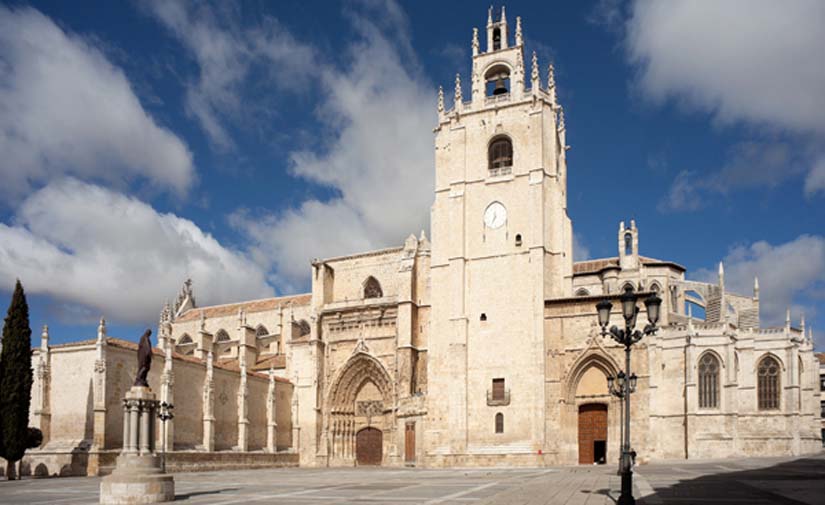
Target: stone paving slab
x,y
730,482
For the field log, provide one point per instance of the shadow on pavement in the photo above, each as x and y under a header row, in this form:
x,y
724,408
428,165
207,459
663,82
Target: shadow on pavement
x,y
605,492
800,481
186,496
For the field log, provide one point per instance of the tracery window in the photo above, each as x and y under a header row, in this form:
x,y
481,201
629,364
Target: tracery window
x,y
582,292
499,423
221,336
185,339
372,289
261,331
768,383
500,156
708,381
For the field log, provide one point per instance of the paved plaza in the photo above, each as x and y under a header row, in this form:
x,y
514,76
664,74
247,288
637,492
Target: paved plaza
x,y
734,482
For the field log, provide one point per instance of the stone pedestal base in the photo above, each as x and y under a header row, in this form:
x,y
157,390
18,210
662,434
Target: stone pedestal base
x,y
137,479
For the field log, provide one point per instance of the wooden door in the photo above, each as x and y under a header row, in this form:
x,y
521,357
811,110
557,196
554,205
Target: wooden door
x,y
592,430
409,443
368,446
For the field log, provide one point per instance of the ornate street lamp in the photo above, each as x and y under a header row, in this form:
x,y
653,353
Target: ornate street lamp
x,y
625,383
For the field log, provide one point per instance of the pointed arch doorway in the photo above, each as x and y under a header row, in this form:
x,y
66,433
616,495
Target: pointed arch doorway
x,y
368,446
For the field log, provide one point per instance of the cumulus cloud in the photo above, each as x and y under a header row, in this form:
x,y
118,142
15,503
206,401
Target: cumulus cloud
x,y
789,275
752,60
87,245
65,109
757,62
377,156
226,53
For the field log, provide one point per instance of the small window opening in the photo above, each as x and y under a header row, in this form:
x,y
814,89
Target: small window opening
x,y
518,239
628,244
483,317
499,423
500,156
496,39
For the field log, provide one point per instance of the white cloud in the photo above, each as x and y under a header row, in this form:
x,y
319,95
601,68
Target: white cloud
x,y
788,274
225,54
86,245
753,60
580,251
378,156
65,109
757,62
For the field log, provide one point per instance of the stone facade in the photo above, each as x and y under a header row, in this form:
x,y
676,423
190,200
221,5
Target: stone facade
x,y
478,348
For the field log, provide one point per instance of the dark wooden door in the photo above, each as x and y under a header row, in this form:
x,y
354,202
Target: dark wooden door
x,y
409,443
368,448
592,429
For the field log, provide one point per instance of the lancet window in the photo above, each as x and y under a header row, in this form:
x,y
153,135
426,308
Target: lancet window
x,y
708,381
767,384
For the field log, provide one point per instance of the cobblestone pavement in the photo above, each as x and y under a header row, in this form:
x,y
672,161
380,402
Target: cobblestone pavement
x,y
726,482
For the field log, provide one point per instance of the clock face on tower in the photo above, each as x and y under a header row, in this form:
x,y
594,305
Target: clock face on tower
x,y
495,215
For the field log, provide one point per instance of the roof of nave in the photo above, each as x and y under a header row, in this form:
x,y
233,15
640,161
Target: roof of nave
x,y
229,365
597,265
230,309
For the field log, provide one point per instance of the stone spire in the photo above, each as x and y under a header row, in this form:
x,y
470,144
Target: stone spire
x,y
440,100
534,74
475,42
722,276
503,14
561,119
44,341
459,103
519,37
756,288
101,339
802,324
490,16
788,319
551,84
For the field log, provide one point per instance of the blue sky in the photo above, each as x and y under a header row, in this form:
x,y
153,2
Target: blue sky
x,y
147,142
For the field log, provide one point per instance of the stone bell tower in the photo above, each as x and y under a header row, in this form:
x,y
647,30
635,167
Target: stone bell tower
x,y
502,244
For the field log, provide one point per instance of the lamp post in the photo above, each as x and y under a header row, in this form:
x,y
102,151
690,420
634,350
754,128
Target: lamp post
x,y
164,414
625,382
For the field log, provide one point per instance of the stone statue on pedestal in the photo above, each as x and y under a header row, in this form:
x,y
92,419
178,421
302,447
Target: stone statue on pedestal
x,y
138,476
144,359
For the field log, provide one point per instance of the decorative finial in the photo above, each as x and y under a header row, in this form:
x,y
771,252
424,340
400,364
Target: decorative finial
x,y
534,74
561,119
503,14
440,100
519,38
45,333
756,287
475,41
490,15
101,330
802,324
788,317
458,98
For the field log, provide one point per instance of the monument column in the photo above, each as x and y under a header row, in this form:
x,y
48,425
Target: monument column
x,y
167,394
138,477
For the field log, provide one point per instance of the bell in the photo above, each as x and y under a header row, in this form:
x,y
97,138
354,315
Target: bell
x,y
500,88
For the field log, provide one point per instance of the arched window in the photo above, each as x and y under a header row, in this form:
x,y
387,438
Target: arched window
x,y
499,423
654,286
708,381
185,339
582,292
261,331
500,155
372,289
628,244
301,327
628,286
496,39
767,385
221,336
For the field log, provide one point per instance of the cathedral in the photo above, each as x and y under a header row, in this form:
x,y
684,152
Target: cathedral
x,y
479,346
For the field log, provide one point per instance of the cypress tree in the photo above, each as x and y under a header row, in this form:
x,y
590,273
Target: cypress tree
x,y
15,381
